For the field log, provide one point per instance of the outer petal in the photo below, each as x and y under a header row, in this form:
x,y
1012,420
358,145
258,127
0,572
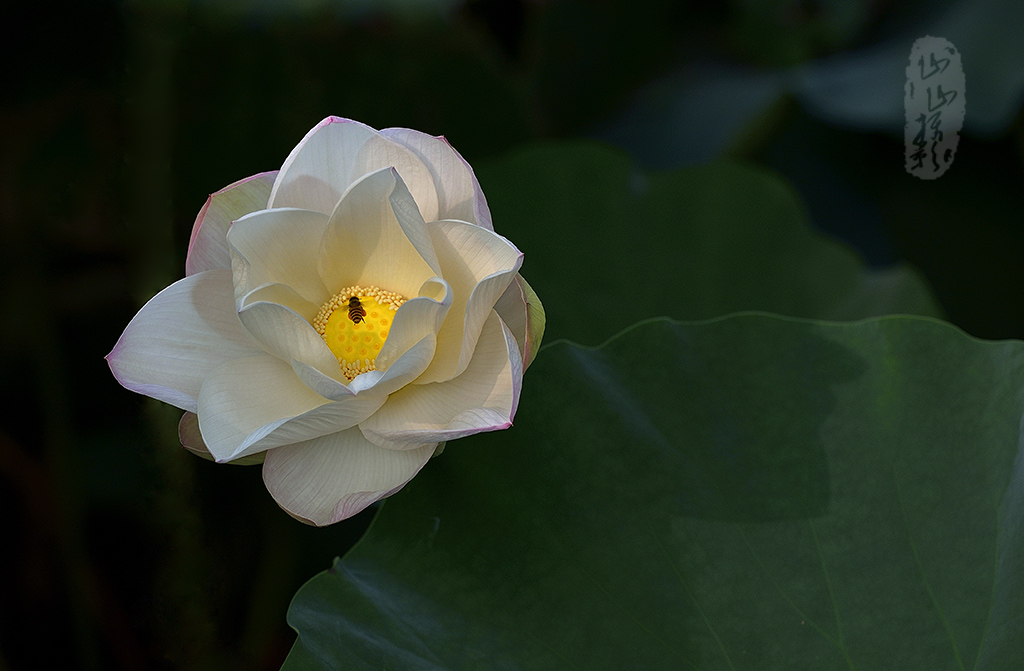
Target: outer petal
x,y
511,307
207,248
483,398
254,404
278,246
178,337
190,436
192,440
335,154
479,264
459,195
377,237
521,310
328,479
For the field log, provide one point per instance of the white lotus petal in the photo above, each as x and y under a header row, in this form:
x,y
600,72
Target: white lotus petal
x,y
289,337
377,383
192,440
406,368
479,264
282,294
335,154
208,247
536,320
181,334
365,383
483,398
247,396
320,421
328,479
511,307
321,373
376,237
416,318
521,310
278,246
190,436
459,195
329,387
251,405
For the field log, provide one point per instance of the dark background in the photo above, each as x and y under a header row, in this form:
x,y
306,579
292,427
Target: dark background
x,y
118,118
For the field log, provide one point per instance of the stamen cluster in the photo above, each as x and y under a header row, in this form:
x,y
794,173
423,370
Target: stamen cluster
x,y
354,328
340,300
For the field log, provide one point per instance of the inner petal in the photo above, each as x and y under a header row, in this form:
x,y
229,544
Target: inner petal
x,y
355,324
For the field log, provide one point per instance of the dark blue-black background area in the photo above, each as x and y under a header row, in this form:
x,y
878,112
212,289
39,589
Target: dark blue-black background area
x,y
117,119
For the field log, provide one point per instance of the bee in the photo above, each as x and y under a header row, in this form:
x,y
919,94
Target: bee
x,y
355,310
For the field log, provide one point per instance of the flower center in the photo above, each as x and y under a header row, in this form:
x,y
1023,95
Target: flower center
x,y
354,323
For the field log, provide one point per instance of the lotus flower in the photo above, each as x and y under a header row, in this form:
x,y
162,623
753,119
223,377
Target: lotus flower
x,y
340,319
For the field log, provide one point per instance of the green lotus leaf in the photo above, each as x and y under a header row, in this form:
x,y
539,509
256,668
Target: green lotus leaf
x,y
752,493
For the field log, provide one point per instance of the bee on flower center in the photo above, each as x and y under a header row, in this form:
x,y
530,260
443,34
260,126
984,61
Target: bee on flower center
x,y
355,310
